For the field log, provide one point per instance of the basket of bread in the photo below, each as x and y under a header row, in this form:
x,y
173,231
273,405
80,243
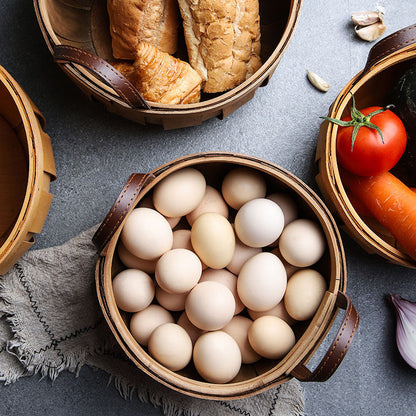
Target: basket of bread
x,y
26,169
368,177
169,62
220,275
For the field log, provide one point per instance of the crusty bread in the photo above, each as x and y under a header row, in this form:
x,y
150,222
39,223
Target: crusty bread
x,y
152,21
161,78
223,40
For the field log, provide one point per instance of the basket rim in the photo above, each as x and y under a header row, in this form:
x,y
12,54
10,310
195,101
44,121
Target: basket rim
x,y
333,188
107,93
16,237
309,340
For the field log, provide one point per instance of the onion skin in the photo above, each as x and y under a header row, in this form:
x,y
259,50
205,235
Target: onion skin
x,y
406,328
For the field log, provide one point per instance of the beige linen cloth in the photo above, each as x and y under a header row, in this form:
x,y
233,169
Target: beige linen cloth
x,y
50,321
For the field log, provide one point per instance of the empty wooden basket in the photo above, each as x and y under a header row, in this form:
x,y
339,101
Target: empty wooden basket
x,y
387,60
258,377
26,169
84,24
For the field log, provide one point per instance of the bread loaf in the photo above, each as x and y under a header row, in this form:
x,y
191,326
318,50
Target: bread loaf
x,y
152,21
223,40
161,78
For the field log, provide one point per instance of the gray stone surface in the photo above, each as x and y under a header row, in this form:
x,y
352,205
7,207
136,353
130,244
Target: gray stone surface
x,y
96,151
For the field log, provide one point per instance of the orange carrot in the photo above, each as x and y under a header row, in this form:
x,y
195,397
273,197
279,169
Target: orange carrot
x,y
359,207
391,202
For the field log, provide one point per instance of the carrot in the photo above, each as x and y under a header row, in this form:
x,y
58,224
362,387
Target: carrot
x,y
359,207
391,202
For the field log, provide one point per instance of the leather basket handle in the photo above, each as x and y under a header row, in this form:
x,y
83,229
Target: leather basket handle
x,y
65,54
119,210
339,347
389,45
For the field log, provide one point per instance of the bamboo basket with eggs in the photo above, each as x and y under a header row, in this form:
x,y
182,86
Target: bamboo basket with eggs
x,y
220,275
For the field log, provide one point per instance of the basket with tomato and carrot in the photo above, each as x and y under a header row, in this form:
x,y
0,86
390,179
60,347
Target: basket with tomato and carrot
x,y
369,144
366,154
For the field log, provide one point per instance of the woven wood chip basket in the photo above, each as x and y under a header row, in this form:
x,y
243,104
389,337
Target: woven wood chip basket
x,y
83,24
258,377
387,60
26,170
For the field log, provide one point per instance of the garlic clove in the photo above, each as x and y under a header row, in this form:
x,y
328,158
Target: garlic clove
x,y
365,18
317,81
406,328
371,32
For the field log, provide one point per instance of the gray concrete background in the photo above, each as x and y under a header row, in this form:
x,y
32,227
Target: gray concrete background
x,y
96,151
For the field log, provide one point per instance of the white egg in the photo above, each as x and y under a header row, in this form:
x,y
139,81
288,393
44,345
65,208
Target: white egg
x,y
133,262
241,254
259,222
271,337
144,322
226,278
302,243
171,301
262,282
182,239
133,290
279,310
211,202
241,185
146,234
147,202
213,239
178,270
179,193
170,345
286,204
304,293
193,331
210,306
290,268
238,328
217,357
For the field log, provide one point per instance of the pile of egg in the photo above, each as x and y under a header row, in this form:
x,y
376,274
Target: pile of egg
x,y
234,289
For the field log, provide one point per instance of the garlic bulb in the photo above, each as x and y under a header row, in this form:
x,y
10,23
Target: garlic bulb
x,y
406,328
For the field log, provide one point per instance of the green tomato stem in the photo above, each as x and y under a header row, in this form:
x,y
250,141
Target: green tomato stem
x,y
359,120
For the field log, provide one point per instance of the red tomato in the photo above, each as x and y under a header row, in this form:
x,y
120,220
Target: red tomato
x,y
368,155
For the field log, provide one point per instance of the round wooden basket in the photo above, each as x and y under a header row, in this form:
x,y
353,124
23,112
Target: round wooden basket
x,y
26,169
84,25
387,60
258,377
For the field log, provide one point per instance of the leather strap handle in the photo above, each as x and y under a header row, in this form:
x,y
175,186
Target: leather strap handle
x,y
65,54
339,347
124,203
389,45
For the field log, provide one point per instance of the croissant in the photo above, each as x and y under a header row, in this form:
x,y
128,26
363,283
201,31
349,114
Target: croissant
x,y
153,21
161,78
223,40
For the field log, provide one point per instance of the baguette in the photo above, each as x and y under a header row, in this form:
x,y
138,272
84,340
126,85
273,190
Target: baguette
x,y
133,21
223,40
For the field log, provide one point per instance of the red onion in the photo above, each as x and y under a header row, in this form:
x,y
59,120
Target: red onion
x,y
406,328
